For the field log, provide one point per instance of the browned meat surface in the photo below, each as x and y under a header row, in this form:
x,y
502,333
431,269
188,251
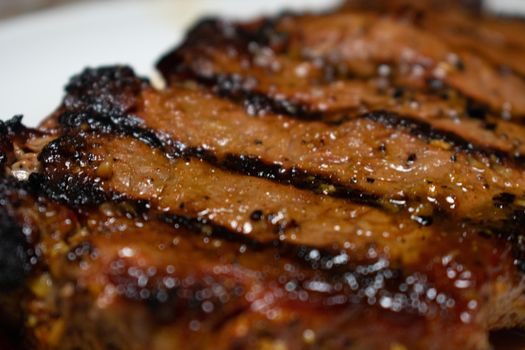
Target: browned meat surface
x,y
345,180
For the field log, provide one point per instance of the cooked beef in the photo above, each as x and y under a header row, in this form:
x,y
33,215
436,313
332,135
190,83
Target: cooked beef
x,y
345,180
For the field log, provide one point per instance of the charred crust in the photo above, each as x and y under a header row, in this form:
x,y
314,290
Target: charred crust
x,y
254,166
59,184
238,89
426,131
13,131
105,90
110,123
208,31
264,33
214,32
14,258
503,200
476,110
14,254
510,230
5,146
204,226
71,190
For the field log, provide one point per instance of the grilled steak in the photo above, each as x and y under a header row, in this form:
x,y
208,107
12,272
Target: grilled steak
x,y
346,180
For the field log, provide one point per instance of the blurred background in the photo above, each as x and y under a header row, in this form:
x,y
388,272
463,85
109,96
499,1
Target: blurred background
x,y
44,42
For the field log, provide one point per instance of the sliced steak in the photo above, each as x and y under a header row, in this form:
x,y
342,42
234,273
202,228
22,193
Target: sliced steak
x,y
344,180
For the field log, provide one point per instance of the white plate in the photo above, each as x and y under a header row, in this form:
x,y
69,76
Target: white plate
x,y
40,52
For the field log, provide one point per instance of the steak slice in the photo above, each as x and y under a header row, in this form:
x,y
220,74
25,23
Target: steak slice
x,y
301,183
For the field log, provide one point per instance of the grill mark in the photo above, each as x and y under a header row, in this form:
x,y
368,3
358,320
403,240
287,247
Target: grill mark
x,y
256,103
125,124
426,131
15,253
254,166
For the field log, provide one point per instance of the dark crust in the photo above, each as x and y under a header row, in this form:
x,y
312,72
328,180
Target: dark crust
x,y
256,103
14,250
61,186
216,32
12,131
117,123
5,146
105,90
426,131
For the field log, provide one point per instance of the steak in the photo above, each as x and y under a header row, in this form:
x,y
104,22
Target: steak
x,y
352,179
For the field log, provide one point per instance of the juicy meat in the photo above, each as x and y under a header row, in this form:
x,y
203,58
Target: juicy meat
x,y
345,180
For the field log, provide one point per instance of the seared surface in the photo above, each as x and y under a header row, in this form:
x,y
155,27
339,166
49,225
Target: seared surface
x,y
346,180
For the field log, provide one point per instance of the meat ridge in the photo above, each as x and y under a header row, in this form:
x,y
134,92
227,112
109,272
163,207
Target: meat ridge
x,y
109,90
268,82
